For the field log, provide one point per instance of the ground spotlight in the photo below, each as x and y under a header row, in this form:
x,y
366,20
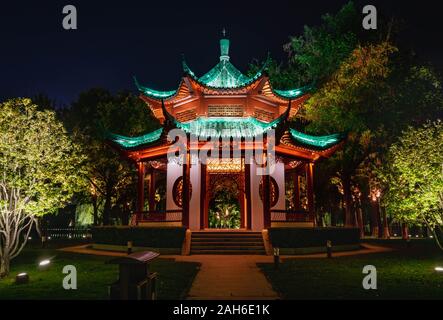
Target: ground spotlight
x,y
44,263
22,278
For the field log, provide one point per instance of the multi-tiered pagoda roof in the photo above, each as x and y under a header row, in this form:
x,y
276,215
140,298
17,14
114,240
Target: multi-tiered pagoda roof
x,y
224,102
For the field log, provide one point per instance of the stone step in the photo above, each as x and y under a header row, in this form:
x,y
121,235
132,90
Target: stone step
x,y
221,239
233,252
227,246
225,242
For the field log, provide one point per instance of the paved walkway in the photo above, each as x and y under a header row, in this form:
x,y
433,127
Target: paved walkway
x,y
230,277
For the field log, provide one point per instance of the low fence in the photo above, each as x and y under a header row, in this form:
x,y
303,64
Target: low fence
x,y
68,233
290,216
160,216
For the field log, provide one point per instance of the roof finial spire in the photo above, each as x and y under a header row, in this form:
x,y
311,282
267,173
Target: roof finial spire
x,y
224,47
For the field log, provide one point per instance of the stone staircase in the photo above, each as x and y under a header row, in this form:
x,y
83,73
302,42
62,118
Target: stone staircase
x,y
227,242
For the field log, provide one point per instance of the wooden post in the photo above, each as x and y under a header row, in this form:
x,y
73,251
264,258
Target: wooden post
x,y
248,196
310,184
152,190
202,195
185,194
296,195
140,189
266,202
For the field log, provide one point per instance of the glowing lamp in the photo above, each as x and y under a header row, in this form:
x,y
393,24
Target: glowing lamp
x,y
44,263
22,278
439,269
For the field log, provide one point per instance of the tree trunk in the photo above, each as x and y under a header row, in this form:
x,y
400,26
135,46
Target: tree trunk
x,y
333,217
404,231
95,210
107,209
375,217
360,221
386,233
436,233
348,200
4,266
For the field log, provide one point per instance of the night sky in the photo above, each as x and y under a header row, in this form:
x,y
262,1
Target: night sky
x,y
115,41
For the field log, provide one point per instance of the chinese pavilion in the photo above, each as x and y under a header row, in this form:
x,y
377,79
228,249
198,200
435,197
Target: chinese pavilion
x,y
226,193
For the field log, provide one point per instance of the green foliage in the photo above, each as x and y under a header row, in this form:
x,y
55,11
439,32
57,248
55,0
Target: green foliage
x,y
312,237
414,176
40,171
348,102
84,215
96,112
167,237
318,52
224,211
38,160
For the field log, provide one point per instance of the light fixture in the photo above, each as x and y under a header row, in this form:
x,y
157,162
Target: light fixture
x,y
44,263
22,278
439,269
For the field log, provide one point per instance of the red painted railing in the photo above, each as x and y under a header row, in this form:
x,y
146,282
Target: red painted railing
x,y
160,216
290,216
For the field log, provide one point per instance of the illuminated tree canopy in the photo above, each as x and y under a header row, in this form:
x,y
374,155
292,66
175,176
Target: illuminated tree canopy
x,y
40,170
414,175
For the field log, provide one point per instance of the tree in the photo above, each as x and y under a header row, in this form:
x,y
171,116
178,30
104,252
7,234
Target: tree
x,y
40,170
349,102
96,112
319,51
414,173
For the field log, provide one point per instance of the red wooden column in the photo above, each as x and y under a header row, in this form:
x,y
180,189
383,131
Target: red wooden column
x,y
296,194
248,196
152,190
202,195
140,189
266,202
185,193
310,181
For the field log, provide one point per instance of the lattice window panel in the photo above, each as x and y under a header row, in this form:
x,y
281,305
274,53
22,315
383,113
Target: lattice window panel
x,y
263,115
185,116
225,111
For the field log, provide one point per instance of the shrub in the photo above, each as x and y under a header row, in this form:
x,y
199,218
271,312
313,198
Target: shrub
x,y
163,237
312,237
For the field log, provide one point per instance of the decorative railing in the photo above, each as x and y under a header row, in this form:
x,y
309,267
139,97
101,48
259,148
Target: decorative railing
x,y
67,233
290,216
160,216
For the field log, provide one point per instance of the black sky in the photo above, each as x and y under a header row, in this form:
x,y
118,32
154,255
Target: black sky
x,y
115,41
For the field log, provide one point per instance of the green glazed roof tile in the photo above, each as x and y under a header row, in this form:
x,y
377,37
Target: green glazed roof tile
x,y
133,142
320,142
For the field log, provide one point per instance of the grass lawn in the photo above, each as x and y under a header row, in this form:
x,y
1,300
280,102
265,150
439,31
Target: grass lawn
x,y
93,276
403,274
